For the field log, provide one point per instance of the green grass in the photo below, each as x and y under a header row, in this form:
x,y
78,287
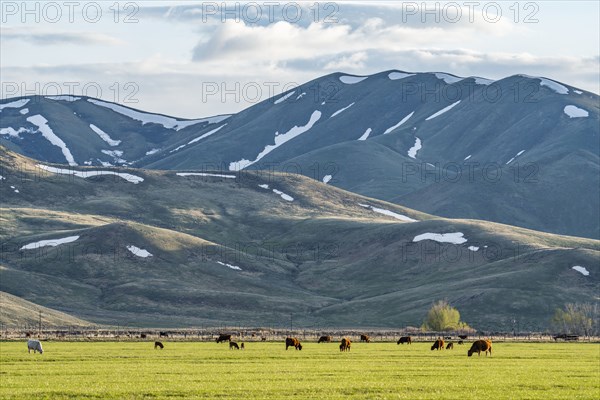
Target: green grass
x,y
133,370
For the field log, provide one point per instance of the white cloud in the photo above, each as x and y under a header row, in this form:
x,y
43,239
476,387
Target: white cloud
x,y
53,37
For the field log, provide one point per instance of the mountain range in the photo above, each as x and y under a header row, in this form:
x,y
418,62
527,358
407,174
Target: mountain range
x,y
522,150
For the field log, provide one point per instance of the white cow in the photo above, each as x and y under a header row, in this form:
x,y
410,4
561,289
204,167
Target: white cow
x,y
34,345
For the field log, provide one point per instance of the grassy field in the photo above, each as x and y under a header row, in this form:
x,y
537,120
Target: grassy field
x,y
133,370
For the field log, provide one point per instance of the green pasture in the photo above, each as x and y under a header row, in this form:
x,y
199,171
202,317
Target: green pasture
x,y
134,370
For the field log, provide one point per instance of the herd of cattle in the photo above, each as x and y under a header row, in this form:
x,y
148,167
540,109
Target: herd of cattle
x,y
345,344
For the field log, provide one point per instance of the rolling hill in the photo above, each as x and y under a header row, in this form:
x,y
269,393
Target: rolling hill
x,y
18,313
180,248
522,150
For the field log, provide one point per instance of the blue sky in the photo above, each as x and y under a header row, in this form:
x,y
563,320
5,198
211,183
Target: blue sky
x,y
182,58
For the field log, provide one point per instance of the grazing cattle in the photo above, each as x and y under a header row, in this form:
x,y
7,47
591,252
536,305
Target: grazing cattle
x,y
233,345
460,342
28,334
34,345
463,337
447,337
142,336
158,345
324,339
242,346
479,346
404,339
289,342
438,344
223,338
345,344
450,346
365,338
264,339
163,334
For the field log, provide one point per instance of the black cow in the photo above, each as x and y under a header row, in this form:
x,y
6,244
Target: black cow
x,y
404,339
158,345
223,338
324,339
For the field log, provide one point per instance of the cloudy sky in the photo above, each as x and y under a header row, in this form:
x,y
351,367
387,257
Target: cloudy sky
x,y
193,59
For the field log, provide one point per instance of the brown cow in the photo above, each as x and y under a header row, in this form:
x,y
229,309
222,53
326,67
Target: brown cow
x,y
324,339
158,345
242,346
479,346
345,344
365,338
460,342
438,344
450,346
404,339
223,338
233,345
289,342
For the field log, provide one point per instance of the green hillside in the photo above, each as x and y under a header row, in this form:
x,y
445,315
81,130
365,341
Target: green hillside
x,y
224,250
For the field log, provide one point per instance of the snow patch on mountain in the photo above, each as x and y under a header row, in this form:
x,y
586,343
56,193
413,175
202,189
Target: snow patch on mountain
x,y
15,133
449,79
229,265
443,110
284,97
104,136
582,270
389,213
412,152
14,104
116,155
136,251
577,91
63,98
350,80
49,242
205,174
46,131
394,76
280,139
341,110
575,112
391,128
467,157
327,178
557,87
366,134
284,196
517,155
454,238
24,111
207,134
482,81
153,151
89,173
473,248
149,118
